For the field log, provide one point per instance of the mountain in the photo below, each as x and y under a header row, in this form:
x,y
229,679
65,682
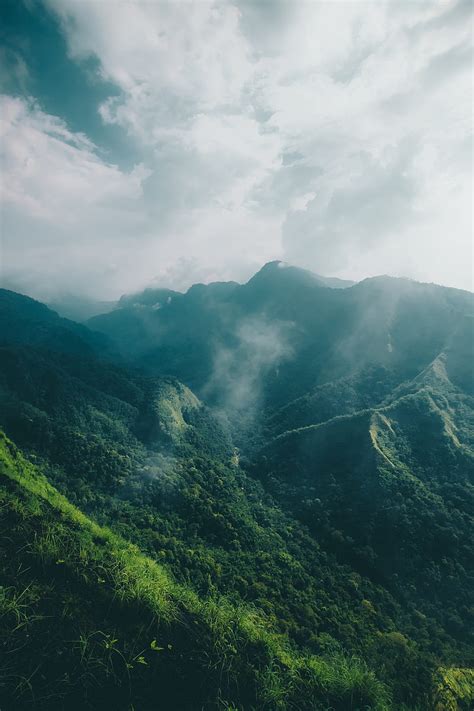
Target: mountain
x,y
27,321
284,333
284,468
389,490
80,308
92,622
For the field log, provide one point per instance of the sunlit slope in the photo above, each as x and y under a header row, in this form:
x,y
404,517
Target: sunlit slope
x,y
146,458
63,404
88,620
327,484
390,491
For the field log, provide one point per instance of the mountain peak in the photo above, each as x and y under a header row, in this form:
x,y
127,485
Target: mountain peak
x,y
278,269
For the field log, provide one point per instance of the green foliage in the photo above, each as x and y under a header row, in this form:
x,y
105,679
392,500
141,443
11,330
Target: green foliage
x,y
326,563
403,515
454,689
84,629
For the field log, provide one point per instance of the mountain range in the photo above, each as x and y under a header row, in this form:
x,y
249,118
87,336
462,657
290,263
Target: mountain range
x,y
254,496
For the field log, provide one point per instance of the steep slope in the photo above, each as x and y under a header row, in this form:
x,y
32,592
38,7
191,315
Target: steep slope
x,y
30,322
148,459
75,411
390,491
365,388
89,622
286,332
142,455
346,517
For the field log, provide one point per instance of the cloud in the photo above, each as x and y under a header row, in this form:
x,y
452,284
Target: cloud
x,y
333,135
259,348
380,133
58,197
73,222
172,61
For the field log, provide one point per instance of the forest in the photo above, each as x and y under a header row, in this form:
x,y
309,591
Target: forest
x,y
241,497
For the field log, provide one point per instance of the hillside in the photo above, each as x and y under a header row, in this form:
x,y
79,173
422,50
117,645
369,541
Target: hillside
x,y
285,332
283,450
170,483
390,491
87,621
30,322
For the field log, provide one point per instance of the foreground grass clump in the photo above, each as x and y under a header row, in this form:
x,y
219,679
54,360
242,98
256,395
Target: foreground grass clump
x,y
454,689
87,621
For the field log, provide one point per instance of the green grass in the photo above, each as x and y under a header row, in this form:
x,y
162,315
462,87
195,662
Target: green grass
x,y
87,621
454,689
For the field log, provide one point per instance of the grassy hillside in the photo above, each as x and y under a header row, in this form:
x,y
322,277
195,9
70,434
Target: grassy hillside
x,y
87,621
145,458
241,549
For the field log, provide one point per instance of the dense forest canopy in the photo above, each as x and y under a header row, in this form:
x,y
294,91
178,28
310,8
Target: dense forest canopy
x,y
249,497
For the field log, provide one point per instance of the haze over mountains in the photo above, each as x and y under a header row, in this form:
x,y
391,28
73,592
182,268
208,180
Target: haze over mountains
x,y
293,460
249,486
286,322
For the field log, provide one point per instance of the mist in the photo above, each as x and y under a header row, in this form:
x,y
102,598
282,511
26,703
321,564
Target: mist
x,y
239,370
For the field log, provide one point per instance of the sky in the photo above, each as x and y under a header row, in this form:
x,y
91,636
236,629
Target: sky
x,y
168,143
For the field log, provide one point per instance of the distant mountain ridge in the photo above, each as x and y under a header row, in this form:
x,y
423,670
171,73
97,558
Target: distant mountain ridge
x,y
291,453
381,320
27,321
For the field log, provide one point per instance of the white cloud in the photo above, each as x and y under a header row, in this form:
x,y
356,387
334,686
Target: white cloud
x,y
171,59
50,169
382,133
64,208
333,134
72,222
